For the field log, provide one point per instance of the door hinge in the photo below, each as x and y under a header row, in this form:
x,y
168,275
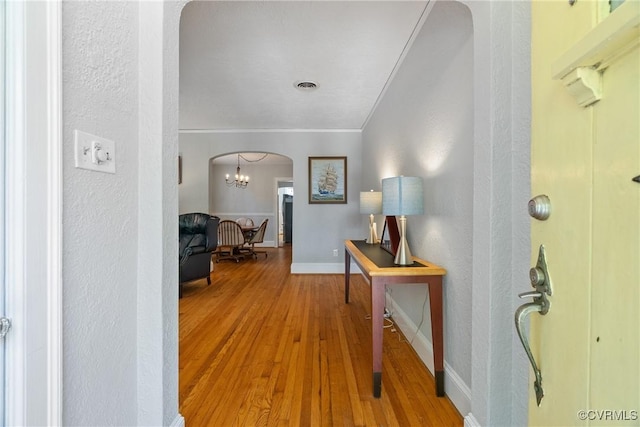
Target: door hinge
x,y
5,325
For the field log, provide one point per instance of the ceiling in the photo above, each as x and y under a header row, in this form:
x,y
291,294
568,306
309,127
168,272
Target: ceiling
x,y
240,61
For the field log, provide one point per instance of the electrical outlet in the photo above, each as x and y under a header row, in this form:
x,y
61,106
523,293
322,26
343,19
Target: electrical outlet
x,y
335,252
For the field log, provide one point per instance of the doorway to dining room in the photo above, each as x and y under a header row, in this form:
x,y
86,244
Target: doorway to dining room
x,y
258,198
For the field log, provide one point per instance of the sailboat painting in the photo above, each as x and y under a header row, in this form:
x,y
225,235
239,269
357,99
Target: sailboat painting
x,y
327,180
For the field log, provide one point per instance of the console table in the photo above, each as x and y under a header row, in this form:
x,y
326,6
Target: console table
x,y
378,267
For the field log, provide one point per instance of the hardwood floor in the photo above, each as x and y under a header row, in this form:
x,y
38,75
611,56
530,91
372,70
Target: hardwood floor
x,y
262,347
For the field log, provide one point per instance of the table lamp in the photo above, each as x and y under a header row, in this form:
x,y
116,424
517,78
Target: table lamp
x,y
402,195
371,204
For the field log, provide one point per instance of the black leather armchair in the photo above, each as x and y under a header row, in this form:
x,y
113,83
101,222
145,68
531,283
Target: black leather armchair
x,y
198,238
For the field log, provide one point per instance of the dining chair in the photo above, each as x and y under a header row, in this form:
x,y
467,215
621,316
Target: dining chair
x,y
245,222
257,237
230,240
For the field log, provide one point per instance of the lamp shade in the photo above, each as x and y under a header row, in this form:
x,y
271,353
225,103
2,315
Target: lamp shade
x,y
370,202
402,195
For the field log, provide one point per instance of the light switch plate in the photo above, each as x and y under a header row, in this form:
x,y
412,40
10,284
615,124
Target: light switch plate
x,y
94,153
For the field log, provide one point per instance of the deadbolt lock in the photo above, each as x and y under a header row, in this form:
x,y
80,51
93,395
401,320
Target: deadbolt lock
x,y
537,276
540,207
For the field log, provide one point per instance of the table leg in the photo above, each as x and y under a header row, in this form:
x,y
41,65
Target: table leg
x,y
377,310
347,275
435,302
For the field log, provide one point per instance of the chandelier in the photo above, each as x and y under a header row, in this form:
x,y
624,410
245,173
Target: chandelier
x,y
240,181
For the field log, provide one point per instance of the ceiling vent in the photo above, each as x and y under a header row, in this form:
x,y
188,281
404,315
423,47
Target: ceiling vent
x,y
306,85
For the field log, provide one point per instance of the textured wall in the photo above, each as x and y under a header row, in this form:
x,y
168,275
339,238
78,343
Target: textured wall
x,y
501,225
325,225
104,344
257,201
100,96
424,127
257,197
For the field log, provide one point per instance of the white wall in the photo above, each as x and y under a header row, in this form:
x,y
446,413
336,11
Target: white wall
x,y
120,230
317,229
457,114
424,127
500,221
100,62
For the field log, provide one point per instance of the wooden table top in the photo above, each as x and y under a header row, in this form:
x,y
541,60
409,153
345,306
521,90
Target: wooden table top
x,y
363,254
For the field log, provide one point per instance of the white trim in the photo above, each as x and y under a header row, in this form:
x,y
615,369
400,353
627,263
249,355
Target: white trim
x,y
323,268
277,207
15,406
181,131
243,214
455,388
26,405
317,268
54,213
178,421
470,421
267,244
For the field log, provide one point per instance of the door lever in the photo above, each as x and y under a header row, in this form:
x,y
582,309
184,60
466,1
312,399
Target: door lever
x,y
534,294
540,280
521,313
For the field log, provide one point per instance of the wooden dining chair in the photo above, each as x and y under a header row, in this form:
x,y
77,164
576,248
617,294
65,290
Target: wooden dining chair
x,y
257,237
245,222
230,241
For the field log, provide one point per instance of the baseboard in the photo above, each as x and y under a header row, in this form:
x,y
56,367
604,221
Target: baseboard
x,y
178,421
455,388
322,268
317,268
267,244
470,421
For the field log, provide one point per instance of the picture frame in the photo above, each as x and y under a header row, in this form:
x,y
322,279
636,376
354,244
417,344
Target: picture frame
x,y
328,180
179,170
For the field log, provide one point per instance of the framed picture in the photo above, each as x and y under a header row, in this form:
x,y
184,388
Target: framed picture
x,y
327,180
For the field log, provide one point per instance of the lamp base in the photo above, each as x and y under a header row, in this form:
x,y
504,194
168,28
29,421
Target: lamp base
x,y
373,235
403,254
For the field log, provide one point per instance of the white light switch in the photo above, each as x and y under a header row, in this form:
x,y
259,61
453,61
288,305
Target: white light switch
x,y
94,153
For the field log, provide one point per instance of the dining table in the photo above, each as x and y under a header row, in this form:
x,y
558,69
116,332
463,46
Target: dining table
x,y
249,231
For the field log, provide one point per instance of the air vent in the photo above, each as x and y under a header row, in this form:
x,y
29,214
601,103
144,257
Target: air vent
x,y
306,85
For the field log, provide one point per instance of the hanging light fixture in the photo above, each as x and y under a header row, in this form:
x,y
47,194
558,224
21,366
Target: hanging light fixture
x,y
240,181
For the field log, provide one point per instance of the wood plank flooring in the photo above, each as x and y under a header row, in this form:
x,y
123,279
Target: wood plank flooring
x,y
262,347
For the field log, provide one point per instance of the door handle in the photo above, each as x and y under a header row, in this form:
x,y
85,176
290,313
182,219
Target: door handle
x,y
521,313
540,280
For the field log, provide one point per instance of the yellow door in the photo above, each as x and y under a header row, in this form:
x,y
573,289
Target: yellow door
x,y
585,151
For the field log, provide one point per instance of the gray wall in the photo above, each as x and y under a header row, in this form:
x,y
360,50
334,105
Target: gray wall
x,y
120,231
257,201
424,127
327,226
